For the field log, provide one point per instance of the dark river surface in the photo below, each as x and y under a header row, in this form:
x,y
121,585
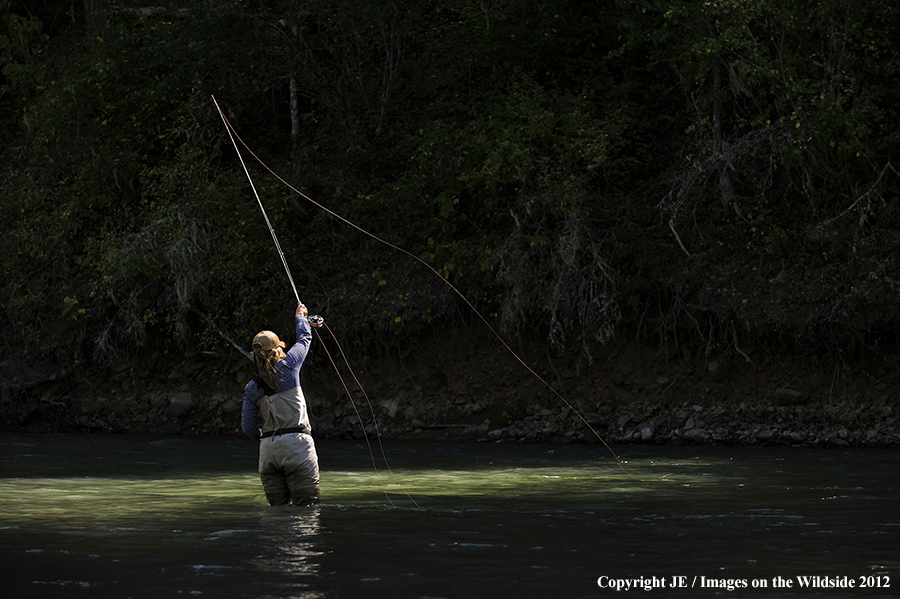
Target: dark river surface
x,y
142,516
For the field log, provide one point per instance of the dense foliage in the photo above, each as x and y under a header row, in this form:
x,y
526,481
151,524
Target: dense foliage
x,y
720,169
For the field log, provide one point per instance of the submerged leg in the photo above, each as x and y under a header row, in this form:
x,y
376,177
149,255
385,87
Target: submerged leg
x,y
302,471
272,475
305,496
275,486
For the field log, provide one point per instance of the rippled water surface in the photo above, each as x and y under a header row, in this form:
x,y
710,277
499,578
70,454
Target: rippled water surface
x,y
131,516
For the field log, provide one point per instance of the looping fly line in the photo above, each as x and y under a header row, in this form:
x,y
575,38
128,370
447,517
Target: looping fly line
x,y
232,134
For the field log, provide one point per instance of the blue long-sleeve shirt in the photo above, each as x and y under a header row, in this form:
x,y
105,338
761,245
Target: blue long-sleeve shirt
x,y
287,375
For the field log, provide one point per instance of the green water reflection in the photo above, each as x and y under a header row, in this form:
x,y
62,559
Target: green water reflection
x,y
93,499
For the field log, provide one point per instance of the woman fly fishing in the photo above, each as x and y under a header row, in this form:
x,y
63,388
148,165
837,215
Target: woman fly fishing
x,y
274,413
231,135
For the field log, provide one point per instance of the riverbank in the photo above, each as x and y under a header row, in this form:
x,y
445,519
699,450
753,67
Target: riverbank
x,y
458,389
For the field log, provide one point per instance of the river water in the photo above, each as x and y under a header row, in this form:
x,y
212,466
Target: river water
x,y
142,516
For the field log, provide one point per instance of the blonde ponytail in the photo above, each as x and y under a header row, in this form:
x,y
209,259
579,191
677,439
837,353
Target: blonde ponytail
x,y
267,352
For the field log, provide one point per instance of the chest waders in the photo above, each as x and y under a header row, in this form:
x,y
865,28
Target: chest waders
x,y
288,464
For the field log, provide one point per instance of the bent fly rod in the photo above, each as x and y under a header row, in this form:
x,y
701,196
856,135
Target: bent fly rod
x,y
315,321
232,134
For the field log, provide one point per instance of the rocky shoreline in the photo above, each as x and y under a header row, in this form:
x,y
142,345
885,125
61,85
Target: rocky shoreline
x,y
627,395
844,425
832,425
